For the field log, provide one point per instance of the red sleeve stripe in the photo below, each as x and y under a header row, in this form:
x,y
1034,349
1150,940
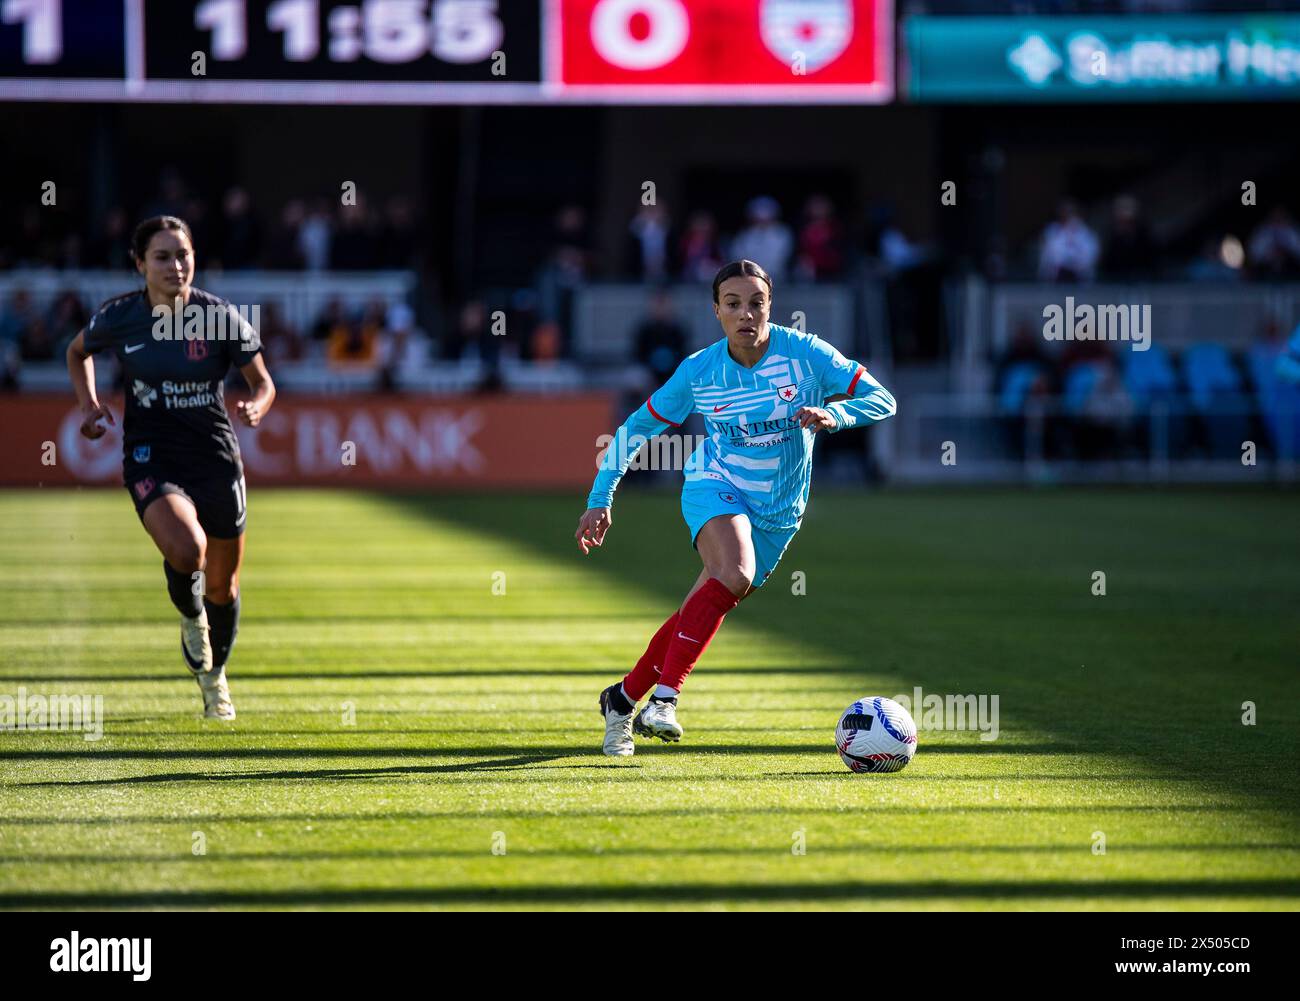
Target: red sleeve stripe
x,y
659,417
856,376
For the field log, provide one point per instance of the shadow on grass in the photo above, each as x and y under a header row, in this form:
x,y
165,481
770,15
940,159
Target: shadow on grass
x,y
681,893
655,851
1091,810
967,591
535,752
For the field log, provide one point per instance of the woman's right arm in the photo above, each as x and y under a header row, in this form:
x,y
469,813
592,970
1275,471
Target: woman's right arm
x,y
81,370
629,439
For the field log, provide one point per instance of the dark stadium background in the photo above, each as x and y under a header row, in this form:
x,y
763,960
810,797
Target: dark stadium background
x,y
467,209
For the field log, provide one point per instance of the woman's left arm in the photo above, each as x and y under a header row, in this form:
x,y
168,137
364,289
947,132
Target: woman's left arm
x,y
252,411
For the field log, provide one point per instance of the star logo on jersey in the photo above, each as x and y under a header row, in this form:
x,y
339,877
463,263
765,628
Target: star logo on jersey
x,y
145,394
727,497
786,393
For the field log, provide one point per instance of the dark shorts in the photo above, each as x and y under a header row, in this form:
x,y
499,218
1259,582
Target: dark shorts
x,y
221,501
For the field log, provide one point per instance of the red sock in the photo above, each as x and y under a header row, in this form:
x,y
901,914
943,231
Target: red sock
x,y
697,623
643,677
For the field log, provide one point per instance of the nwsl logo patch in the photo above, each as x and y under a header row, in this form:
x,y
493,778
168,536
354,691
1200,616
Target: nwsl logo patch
x,y
141,453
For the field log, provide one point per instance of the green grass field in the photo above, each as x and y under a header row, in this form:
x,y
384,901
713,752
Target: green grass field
x,y
476,725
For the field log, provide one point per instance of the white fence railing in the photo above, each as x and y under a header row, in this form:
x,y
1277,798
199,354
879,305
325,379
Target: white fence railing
x,y
300,296
943,438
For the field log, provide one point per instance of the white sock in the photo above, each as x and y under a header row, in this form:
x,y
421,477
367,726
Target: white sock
x,y
664,692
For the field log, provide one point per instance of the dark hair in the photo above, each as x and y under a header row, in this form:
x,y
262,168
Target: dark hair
x,y
741,269
146,230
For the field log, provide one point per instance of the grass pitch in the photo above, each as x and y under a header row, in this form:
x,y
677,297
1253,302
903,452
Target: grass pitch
x,y
409,737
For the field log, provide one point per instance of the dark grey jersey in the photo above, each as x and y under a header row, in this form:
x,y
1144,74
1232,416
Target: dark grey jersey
x,y
174,376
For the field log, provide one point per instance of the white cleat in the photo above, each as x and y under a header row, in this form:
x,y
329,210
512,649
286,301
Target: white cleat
x,y
618,729
196,646
659,719
216,695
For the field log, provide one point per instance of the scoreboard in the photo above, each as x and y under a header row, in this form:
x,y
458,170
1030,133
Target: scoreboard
x,y
447,51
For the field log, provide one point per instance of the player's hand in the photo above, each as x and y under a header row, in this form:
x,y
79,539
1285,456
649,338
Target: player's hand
x,y
816,418
592,527
249,412
90,418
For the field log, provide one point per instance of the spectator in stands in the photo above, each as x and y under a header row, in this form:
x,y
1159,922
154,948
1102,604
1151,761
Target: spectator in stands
x,y
397,246
1211,265
565,270
473,341
660,340
650,244
281,341
332,320
358,345
1130,251
1069,248
354,246
241,236
700,251
316,237
897,253
765,239
283,251
1275,245
199,221
821,241
407,345
67,318
172,197
110,246
18,317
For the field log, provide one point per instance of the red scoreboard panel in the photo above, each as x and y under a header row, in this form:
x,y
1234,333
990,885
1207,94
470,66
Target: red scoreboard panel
x,y
729,50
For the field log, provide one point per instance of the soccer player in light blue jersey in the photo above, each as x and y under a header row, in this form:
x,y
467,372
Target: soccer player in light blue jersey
x,y
1288,362
765,391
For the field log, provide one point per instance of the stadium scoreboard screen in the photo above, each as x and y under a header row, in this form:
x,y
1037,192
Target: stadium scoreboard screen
x,y
446,51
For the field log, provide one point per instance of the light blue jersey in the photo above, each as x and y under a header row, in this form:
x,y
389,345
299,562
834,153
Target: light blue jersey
x,y
1288,363
755,447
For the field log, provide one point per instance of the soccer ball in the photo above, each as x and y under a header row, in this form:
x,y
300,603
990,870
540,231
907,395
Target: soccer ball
x,y
876,735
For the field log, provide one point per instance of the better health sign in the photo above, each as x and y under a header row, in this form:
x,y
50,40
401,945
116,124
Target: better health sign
x,y
1132,58
727,50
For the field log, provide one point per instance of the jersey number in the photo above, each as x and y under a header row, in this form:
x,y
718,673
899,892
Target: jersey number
x,y
241,500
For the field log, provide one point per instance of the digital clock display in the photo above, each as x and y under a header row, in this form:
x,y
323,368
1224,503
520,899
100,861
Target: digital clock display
x,y
453,40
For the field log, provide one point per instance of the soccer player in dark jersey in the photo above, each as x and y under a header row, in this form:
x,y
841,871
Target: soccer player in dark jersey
x,y
181,461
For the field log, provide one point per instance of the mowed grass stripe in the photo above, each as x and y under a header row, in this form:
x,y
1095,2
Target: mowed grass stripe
x,y
436,765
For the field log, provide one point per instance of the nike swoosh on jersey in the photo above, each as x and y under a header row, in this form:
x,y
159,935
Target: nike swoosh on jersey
x,y
723,407
128,349
682,635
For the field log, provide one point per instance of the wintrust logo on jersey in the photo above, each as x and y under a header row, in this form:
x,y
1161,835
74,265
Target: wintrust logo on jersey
x,y
75,954
748,435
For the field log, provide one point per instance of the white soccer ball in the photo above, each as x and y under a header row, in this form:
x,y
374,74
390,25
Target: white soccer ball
x,y
876,735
